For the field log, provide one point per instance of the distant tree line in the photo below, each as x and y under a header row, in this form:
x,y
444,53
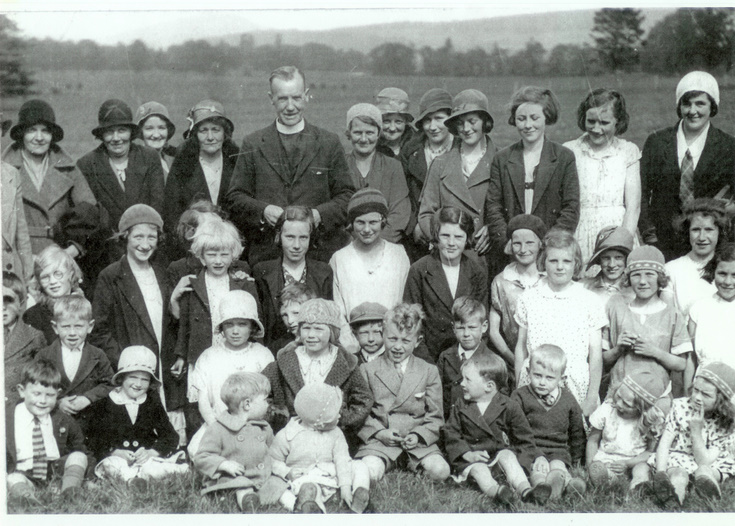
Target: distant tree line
x,y
684,40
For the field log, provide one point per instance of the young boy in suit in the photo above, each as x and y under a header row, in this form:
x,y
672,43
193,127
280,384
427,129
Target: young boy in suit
x,y
86,373
366,322
556,421
407,414
469,325
40,439
488,431
22,341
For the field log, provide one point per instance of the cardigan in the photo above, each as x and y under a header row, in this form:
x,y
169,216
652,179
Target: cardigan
x,y
21,347
234,438
110,427
427,285
468,430
269,281
660,179
557,430
286,381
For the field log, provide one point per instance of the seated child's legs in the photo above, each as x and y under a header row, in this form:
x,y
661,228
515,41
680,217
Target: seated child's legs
x,y
19,485
244,500
641,473
74,469
540,471
482,475
435,466
680,480
557,478
376,467
360,475
288,500
517,479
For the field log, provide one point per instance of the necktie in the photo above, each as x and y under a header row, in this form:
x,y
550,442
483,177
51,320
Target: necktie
x,y
462,357
548,399
40,465
399,369
686,184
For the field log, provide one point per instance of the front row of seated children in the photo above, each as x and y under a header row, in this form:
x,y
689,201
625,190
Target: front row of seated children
x,y
537,432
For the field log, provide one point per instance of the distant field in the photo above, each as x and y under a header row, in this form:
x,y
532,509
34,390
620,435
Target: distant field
x,y
76,97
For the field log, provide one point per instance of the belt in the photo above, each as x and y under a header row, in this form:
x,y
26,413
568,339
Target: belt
x,y
39,231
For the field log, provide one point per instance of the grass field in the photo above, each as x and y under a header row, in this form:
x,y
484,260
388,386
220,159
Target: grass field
x,y
398,492
76,97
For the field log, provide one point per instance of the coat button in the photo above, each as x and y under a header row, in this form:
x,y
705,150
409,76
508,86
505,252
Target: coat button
x,y
126,444
135,443
241,438
261,466
260,438
9,266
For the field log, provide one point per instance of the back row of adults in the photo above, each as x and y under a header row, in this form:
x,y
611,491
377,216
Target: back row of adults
x,y
596,180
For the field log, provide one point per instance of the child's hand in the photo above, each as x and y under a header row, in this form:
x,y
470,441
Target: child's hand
x,y
66,405
295,473
232,468
178,367
142,455
482,241
645,347
389,438
618,468
79,402
476,456
124,454
696,423
411,441
541,465
627,339
346,493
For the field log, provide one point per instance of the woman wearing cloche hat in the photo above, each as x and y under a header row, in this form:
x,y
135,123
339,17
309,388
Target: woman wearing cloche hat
x,y
393,104
120,172
203,166
156,130
691,159
52,186
461,177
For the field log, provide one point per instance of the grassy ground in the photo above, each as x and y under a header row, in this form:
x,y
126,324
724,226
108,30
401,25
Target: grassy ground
x,y
399,492
76,97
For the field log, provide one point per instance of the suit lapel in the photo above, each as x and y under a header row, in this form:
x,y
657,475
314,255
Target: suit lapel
x,y
86,365
388,375
455,183
130,290
711,147
274,154
517,174
107,180
19,339
55,186
199,286
464,284
411,379
288,363
31,194
546,169
309,149
438,281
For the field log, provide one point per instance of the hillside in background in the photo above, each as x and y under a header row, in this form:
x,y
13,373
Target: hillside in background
x,y
512,32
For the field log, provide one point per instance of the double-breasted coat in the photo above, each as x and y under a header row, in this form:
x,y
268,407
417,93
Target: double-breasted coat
x,y
269,280
17,255
427,285
121,320
555,193
661,177
21,347
446,185
468,430
411,403
263,176
450,372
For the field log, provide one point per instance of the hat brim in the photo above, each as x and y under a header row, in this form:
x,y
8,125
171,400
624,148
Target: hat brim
x,y
99,130
407,116
117,375
259,334
594,260
451,122
17,131
432,109
187,133
169,124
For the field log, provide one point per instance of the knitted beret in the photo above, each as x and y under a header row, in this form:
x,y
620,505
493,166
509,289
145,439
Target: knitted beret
x,y
698,81
364,109
645,257
320,310
721,375
366,200
646,385
526,222
137,214
318,405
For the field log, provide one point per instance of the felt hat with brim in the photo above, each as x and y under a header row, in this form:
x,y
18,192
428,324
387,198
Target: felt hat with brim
x,y
394,100
433,100
34,112
611,238
136,358
114,113
240,305
468,101
151,109
205,110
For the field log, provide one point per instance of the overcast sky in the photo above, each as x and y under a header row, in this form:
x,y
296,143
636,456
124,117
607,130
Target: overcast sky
x,y
182,21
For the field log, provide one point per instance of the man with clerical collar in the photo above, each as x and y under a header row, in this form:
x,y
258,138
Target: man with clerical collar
x,y
290,162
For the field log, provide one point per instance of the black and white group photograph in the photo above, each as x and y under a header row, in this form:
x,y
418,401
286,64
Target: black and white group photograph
x,y
410,258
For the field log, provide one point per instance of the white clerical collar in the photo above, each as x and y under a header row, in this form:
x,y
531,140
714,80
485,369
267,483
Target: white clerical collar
x,y
290,130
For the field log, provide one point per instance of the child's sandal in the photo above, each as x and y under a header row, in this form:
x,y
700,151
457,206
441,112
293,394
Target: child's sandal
x,y
249,503
539,494
662,489
306,500
598,473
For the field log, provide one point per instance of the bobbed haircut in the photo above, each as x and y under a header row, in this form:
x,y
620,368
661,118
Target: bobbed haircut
x,y
286,73
490,367
689,95
41,371
454,216
53,256
406,317
295,293
72,305
216,234
662,280
536,95
487,124
297,213
560,238
465,307
219,121
725,253
242,386
601,97
550,357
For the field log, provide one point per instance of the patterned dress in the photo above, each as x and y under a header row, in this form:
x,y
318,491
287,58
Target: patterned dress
x,y
680,452
564,319
601,187
505,290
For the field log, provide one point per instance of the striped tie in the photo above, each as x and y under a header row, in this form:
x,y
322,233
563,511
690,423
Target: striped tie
x,y
686,191
40,465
